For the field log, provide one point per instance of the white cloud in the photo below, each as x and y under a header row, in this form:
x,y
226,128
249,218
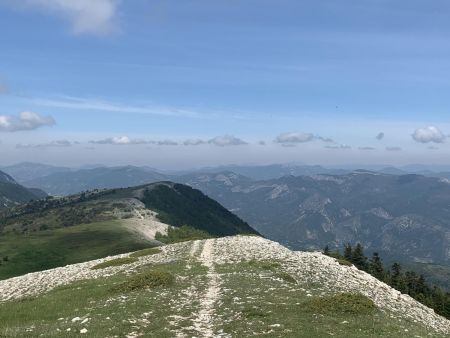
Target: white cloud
x,y
55,144
226,140
167,143
380,136
393,149
294,138
24,121
194,142
120,140
428,134
339,146
85,16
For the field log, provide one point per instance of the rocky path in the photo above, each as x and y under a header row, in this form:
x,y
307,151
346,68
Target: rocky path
x,y
204,318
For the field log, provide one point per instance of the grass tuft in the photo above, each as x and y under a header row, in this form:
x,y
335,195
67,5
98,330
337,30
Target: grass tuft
x,y
148,279
251,313
114,262
349,303
145,252
264,265
286,277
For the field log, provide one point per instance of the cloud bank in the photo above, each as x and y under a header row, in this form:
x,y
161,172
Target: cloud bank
x,y
52,144
226,140
24,121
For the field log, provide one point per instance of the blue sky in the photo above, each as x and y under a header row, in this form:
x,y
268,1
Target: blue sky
x,y
256,81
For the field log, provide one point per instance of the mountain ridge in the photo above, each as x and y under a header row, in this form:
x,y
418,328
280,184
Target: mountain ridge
x,y
215,273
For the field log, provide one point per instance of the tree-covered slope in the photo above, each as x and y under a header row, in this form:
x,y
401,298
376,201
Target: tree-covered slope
x,y
56,231
12,193
179,205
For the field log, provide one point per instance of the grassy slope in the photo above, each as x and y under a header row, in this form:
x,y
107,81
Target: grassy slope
x,y
48,249
256,302
82,229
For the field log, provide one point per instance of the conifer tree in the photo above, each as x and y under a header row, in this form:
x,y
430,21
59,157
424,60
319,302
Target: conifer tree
x,y
358,257
376,267
348,252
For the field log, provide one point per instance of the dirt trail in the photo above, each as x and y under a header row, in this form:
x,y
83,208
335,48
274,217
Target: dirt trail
x,y
203,321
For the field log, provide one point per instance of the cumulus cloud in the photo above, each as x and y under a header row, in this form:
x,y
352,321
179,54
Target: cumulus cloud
x,y
380,136
52,144
393,149
226,140
120,140
85,16
24,121
428,134
366,148
293,138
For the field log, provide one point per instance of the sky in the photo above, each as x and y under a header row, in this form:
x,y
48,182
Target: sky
x,y
183,84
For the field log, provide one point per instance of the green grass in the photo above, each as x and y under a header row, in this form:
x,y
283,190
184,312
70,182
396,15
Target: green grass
x,y
259,306
286,277
153,303
348,303
114,262
52,248
113,308
148,279
145,252
264,265
182,234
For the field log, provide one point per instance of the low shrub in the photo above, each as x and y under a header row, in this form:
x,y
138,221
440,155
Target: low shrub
x,y
145,252
253,313
144,280
343,303
114,262
181,234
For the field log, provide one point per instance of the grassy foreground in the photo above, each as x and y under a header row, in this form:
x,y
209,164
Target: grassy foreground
x,y
161,300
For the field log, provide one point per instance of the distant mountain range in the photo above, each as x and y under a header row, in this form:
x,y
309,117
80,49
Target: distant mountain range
x,y
398,214
405,216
